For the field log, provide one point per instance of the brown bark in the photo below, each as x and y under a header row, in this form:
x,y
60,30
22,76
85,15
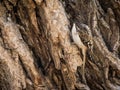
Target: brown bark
x,y
37,50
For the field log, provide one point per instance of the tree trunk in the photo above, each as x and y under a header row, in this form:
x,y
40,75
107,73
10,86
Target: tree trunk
x,y
38,50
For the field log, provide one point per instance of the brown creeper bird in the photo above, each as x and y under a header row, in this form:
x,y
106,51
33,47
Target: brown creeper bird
x,y
78,42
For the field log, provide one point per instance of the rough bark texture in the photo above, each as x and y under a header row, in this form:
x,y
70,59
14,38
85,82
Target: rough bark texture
x,y
37,50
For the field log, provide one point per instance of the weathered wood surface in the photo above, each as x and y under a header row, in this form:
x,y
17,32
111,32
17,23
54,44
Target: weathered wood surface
x,y
37,50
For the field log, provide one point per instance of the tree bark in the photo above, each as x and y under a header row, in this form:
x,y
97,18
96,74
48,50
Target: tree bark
x,y
38,52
